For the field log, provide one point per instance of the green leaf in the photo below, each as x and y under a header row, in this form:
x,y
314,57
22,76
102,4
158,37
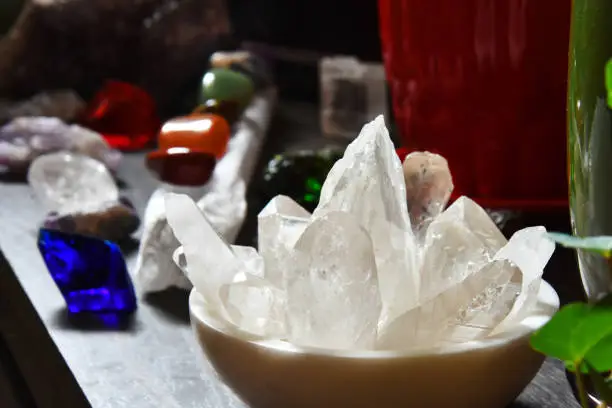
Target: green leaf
x,y
579,332
601,245
600,355
602,385
554,338
591,338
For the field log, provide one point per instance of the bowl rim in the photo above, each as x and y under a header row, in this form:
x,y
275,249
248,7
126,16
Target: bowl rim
x,y
546,306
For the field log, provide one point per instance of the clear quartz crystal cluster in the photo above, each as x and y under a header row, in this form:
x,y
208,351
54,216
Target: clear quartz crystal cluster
x,y
358,273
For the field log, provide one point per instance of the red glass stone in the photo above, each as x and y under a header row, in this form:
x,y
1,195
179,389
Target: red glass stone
x,y
124,114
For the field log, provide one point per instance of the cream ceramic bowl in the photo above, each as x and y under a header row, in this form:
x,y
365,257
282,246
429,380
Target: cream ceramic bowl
x,y
275,374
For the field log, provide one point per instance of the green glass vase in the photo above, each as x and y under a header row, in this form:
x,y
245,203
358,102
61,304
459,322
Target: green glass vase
x,y
589,111
590,134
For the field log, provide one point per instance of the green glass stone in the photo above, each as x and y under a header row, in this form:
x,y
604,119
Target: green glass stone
x,y
299,175
222,84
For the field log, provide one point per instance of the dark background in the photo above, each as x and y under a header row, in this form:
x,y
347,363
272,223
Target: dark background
x,y
316,27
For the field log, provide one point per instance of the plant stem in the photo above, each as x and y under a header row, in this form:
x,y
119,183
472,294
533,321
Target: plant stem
x,y
582,395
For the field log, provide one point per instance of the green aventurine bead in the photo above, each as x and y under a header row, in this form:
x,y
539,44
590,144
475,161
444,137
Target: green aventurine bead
x,y
222,84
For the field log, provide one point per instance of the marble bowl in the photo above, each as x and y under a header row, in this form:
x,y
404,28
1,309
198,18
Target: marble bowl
x,y
276,374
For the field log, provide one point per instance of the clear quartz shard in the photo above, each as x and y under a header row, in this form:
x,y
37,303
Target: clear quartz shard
x,y
464,311
256,306
280,224
459,242
530,250
368,183
211,261
69,183
333,299
429,185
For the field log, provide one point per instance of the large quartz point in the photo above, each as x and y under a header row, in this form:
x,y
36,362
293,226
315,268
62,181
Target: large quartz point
x,y
429,185
211,262
368,183
279,224
24,139
81,197
333,299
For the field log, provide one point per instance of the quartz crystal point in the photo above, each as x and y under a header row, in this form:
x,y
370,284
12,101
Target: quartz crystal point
x,y
212,263
333,300
429,185
458,243
368,183
530,250
280,224
230,278
24,139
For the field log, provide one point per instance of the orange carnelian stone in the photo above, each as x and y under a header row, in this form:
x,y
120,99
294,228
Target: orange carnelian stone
x,y
124,114
188,148
200,132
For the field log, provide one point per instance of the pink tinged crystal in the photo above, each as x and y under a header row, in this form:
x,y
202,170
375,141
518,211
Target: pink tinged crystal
x,y
429,185
24,139
333,299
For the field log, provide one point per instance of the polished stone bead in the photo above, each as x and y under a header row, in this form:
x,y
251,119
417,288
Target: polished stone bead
x,y
223,84
184,169
299,175
244,62
124,114
90,273
188,148
229,110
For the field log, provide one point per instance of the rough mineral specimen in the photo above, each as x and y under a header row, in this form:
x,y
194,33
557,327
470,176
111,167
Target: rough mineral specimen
x,y
353,276
65,105
81,196
24,139
90,273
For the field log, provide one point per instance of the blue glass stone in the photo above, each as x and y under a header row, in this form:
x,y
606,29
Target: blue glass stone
x,y
90,273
